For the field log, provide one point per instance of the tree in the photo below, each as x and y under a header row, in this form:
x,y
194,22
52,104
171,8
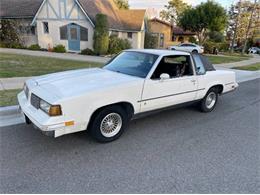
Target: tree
x,y
203,19
101,35
173,10
9,36
243,22
122,4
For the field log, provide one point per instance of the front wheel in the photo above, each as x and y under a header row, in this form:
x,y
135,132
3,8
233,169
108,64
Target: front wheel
x,y
209,102
109,124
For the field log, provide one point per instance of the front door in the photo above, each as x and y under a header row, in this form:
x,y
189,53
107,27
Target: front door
x,y
158,93
74,37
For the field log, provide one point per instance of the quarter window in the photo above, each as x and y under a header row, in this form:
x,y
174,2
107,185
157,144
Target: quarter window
x,y
199,65
46,27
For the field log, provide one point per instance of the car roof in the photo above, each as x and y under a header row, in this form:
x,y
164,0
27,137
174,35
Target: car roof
x,y
160,52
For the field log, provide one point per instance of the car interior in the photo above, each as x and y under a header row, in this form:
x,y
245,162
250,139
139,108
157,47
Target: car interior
x,y
175,66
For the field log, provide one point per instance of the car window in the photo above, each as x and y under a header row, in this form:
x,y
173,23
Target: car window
x,y
190,45
132,63
199,65
175,66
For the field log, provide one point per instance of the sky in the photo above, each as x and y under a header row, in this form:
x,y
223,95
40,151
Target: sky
x,y
159,4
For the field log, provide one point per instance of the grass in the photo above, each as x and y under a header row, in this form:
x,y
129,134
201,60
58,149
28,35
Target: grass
x,y
12,65
226,59
252,67
9,97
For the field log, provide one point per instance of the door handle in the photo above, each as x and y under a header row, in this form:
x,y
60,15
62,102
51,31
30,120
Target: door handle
x,y
193,80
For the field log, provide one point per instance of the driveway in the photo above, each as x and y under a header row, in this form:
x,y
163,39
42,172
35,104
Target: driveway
x,y
174,151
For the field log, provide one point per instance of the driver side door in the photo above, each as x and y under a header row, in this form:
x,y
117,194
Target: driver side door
x,y
160,93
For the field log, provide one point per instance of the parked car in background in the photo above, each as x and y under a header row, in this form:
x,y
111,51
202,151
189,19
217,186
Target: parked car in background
x,y
104,100
189,47
254,50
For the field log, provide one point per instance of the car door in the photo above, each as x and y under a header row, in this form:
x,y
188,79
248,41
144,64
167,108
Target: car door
x,y
159,93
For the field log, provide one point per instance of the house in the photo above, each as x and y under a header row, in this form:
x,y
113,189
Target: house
x,y
71,22
168,34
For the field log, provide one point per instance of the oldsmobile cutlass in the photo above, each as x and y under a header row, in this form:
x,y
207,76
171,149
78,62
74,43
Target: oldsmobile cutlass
x,y
104,100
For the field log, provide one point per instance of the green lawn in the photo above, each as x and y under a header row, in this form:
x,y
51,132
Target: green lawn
x,y
9,97
12,65
252,67
226,59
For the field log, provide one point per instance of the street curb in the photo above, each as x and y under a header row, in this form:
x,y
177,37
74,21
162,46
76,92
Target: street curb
x,y
9,110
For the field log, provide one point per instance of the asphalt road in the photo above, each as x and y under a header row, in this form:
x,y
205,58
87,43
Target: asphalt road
x,y
175,151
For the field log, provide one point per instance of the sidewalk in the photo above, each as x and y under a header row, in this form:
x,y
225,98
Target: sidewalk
x,y
253,60
64,56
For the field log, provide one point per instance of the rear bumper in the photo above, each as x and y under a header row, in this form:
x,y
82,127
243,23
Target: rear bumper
x,y
230,87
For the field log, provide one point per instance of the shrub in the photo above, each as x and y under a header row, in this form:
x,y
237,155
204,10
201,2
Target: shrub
x,y
59,49
34,47
101,35
87,51
9,35
116,44
150,41
209,46
193,40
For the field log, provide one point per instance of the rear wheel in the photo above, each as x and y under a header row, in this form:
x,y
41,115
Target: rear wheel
x,y
109,123
195,51
209,102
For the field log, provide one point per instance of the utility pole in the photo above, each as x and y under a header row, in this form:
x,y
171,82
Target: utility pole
x,y
235,30
249,27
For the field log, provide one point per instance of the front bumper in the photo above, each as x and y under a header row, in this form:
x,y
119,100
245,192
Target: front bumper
x,y
54,126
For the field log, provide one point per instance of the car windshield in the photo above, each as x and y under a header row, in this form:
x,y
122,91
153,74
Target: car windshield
x,y
132,63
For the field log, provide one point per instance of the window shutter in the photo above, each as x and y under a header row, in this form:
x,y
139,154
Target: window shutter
x,y
83,34
63,33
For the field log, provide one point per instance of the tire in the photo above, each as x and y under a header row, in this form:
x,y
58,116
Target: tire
x,y
109,124
195,51
206,105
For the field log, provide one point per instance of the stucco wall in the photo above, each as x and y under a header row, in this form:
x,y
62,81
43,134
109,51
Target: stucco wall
x,y
53,37
60,13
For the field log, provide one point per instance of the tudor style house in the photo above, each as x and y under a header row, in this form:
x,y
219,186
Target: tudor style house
x,y
168,34
71,22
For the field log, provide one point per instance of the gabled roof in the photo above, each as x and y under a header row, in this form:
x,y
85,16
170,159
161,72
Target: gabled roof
x,y
125,20
19,8
175,29
118,19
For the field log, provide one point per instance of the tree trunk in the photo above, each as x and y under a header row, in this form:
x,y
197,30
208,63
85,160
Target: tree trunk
x,y
235,31
248,28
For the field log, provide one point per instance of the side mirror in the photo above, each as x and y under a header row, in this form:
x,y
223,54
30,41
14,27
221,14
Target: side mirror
x,y
164,76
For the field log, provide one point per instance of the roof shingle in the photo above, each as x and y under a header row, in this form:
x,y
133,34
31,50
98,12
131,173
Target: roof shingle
x,y
130,20
19,8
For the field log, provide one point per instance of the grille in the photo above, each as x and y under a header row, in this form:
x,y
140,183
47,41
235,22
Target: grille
x,y
35,101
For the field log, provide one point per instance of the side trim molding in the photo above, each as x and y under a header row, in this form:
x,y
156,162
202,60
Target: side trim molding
x,y
170,95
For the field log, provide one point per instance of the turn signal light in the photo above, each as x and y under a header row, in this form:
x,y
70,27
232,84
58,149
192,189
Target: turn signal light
x,y
55,110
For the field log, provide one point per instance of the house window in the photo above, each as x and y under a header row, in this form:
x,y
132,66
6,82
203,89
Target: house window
x,y
83,34
161,40
173,38
129,35
46,27
33,30
114,33
63,33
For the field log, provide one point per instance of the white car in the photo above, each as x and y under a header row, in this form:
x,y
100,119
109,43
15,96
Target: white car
x,y
103,100
254,50
189,47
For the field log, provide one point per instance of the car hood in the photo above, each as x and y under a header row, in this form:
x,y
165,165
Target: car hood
x,y
72,83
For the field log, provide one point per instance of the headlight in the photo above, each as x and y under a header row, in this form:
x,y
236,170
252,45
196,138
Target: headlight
x,y
52,110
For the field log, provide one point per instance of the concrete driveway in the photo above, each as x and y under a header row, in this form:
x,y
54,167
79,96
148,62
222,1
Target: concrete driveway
x,y
175,151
